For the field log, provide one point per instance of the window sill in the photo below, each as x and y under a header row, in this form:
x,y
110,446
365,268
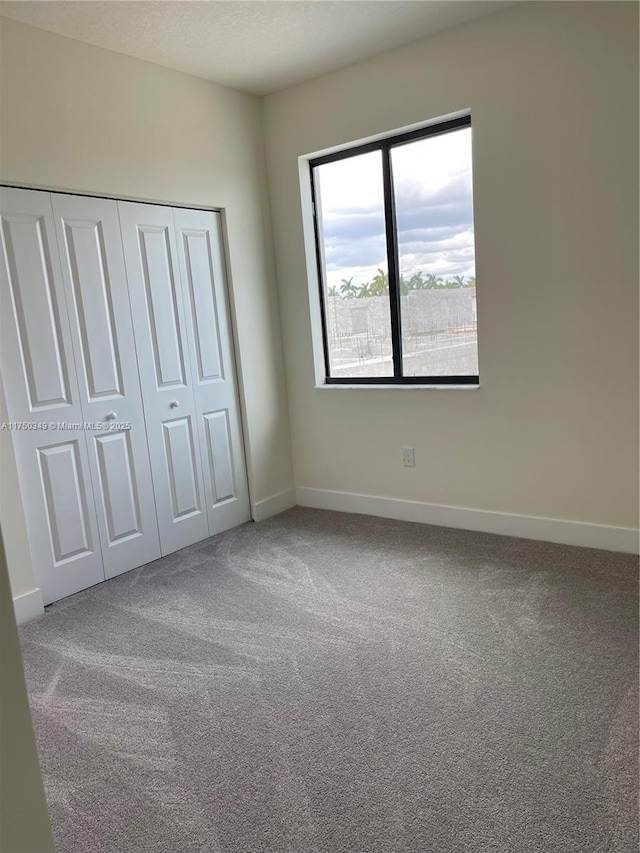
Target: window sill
x,y
398,387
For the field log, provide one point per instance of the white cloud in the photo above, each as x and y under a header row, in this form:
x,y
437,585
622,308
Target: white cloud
x,y
432,180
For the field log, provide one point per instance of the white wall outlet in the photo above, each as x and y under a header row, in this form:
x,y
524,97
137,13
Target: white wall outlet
x,y
408,457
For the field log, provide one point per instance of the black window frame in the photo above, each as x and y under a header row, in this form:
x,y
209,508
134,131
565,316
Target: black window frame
x,y
383,145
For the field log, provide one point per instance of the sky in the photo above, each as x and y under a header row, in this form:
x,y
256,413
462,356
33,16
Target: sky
x,y
432,181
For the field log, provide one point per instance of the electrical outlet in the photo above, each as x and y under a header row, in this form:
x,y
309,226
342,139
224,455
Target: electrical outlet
x,y
408,457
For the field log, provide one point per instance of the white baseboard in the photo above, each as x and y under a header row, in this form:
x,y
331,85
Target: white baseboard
x,y
274,505
28,606
624,539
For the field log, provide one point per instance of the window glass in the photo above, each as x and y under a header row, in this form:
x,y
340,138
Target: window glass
x,y
350,209
434,217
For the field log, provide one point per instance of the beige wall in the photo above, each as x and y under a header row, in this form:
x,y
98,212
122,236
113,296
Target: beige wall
x,y
24,819
12,514
553,430
76,117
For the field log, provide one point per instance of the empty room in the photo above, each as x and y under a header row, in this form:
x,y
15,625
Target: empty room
x,y
319,448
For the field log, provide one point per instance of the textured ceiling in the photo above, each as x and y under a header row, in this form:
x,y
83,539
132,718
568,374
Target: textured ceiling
x,y
258,46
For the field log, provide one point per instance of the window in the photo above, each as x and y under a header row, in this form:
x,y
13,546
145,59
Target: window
x,y
396,260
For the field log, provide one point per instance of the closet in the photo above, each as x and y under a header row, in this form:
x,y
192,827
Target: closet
x,y
118,371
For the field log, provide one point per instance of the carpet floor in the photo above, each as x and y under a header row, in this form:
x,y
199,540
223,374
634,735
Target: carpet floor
x,y
333,683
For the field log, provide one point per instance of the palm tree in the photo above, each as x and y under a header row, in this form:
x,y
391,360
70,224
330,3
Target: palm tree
x,y
380,284
433,281
348,288
332,291
416,282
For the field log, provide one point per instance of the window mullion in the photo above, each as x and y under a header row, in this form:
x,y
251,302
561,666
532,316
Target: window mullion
x,y
392,261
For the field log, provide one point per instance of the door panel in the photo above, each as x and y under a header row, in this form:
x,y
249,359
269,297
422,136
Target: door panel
x,y
162,305
200,253
28,259
182,467
219,455
198,266
118,485
41,388
110,396
66,500
93,297
164,361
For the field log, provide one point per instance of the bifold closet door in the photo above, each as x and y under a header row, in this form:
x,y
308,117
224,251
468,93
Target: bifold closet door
x,y
42,392
164,365
118,368
200,258
102,334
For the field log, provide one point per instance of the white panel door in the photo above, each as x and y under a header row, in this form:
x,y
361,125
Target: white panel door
x,y
41,387
165,372
200,253
102,333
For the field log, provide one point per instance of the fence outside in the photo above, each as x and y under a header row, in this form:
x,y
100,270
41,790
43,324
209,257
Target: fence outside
x,y
432,321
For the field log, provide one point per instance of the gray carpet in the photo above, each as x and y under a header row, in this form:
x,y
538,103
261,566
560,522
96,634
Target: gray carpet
x,y
330,683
